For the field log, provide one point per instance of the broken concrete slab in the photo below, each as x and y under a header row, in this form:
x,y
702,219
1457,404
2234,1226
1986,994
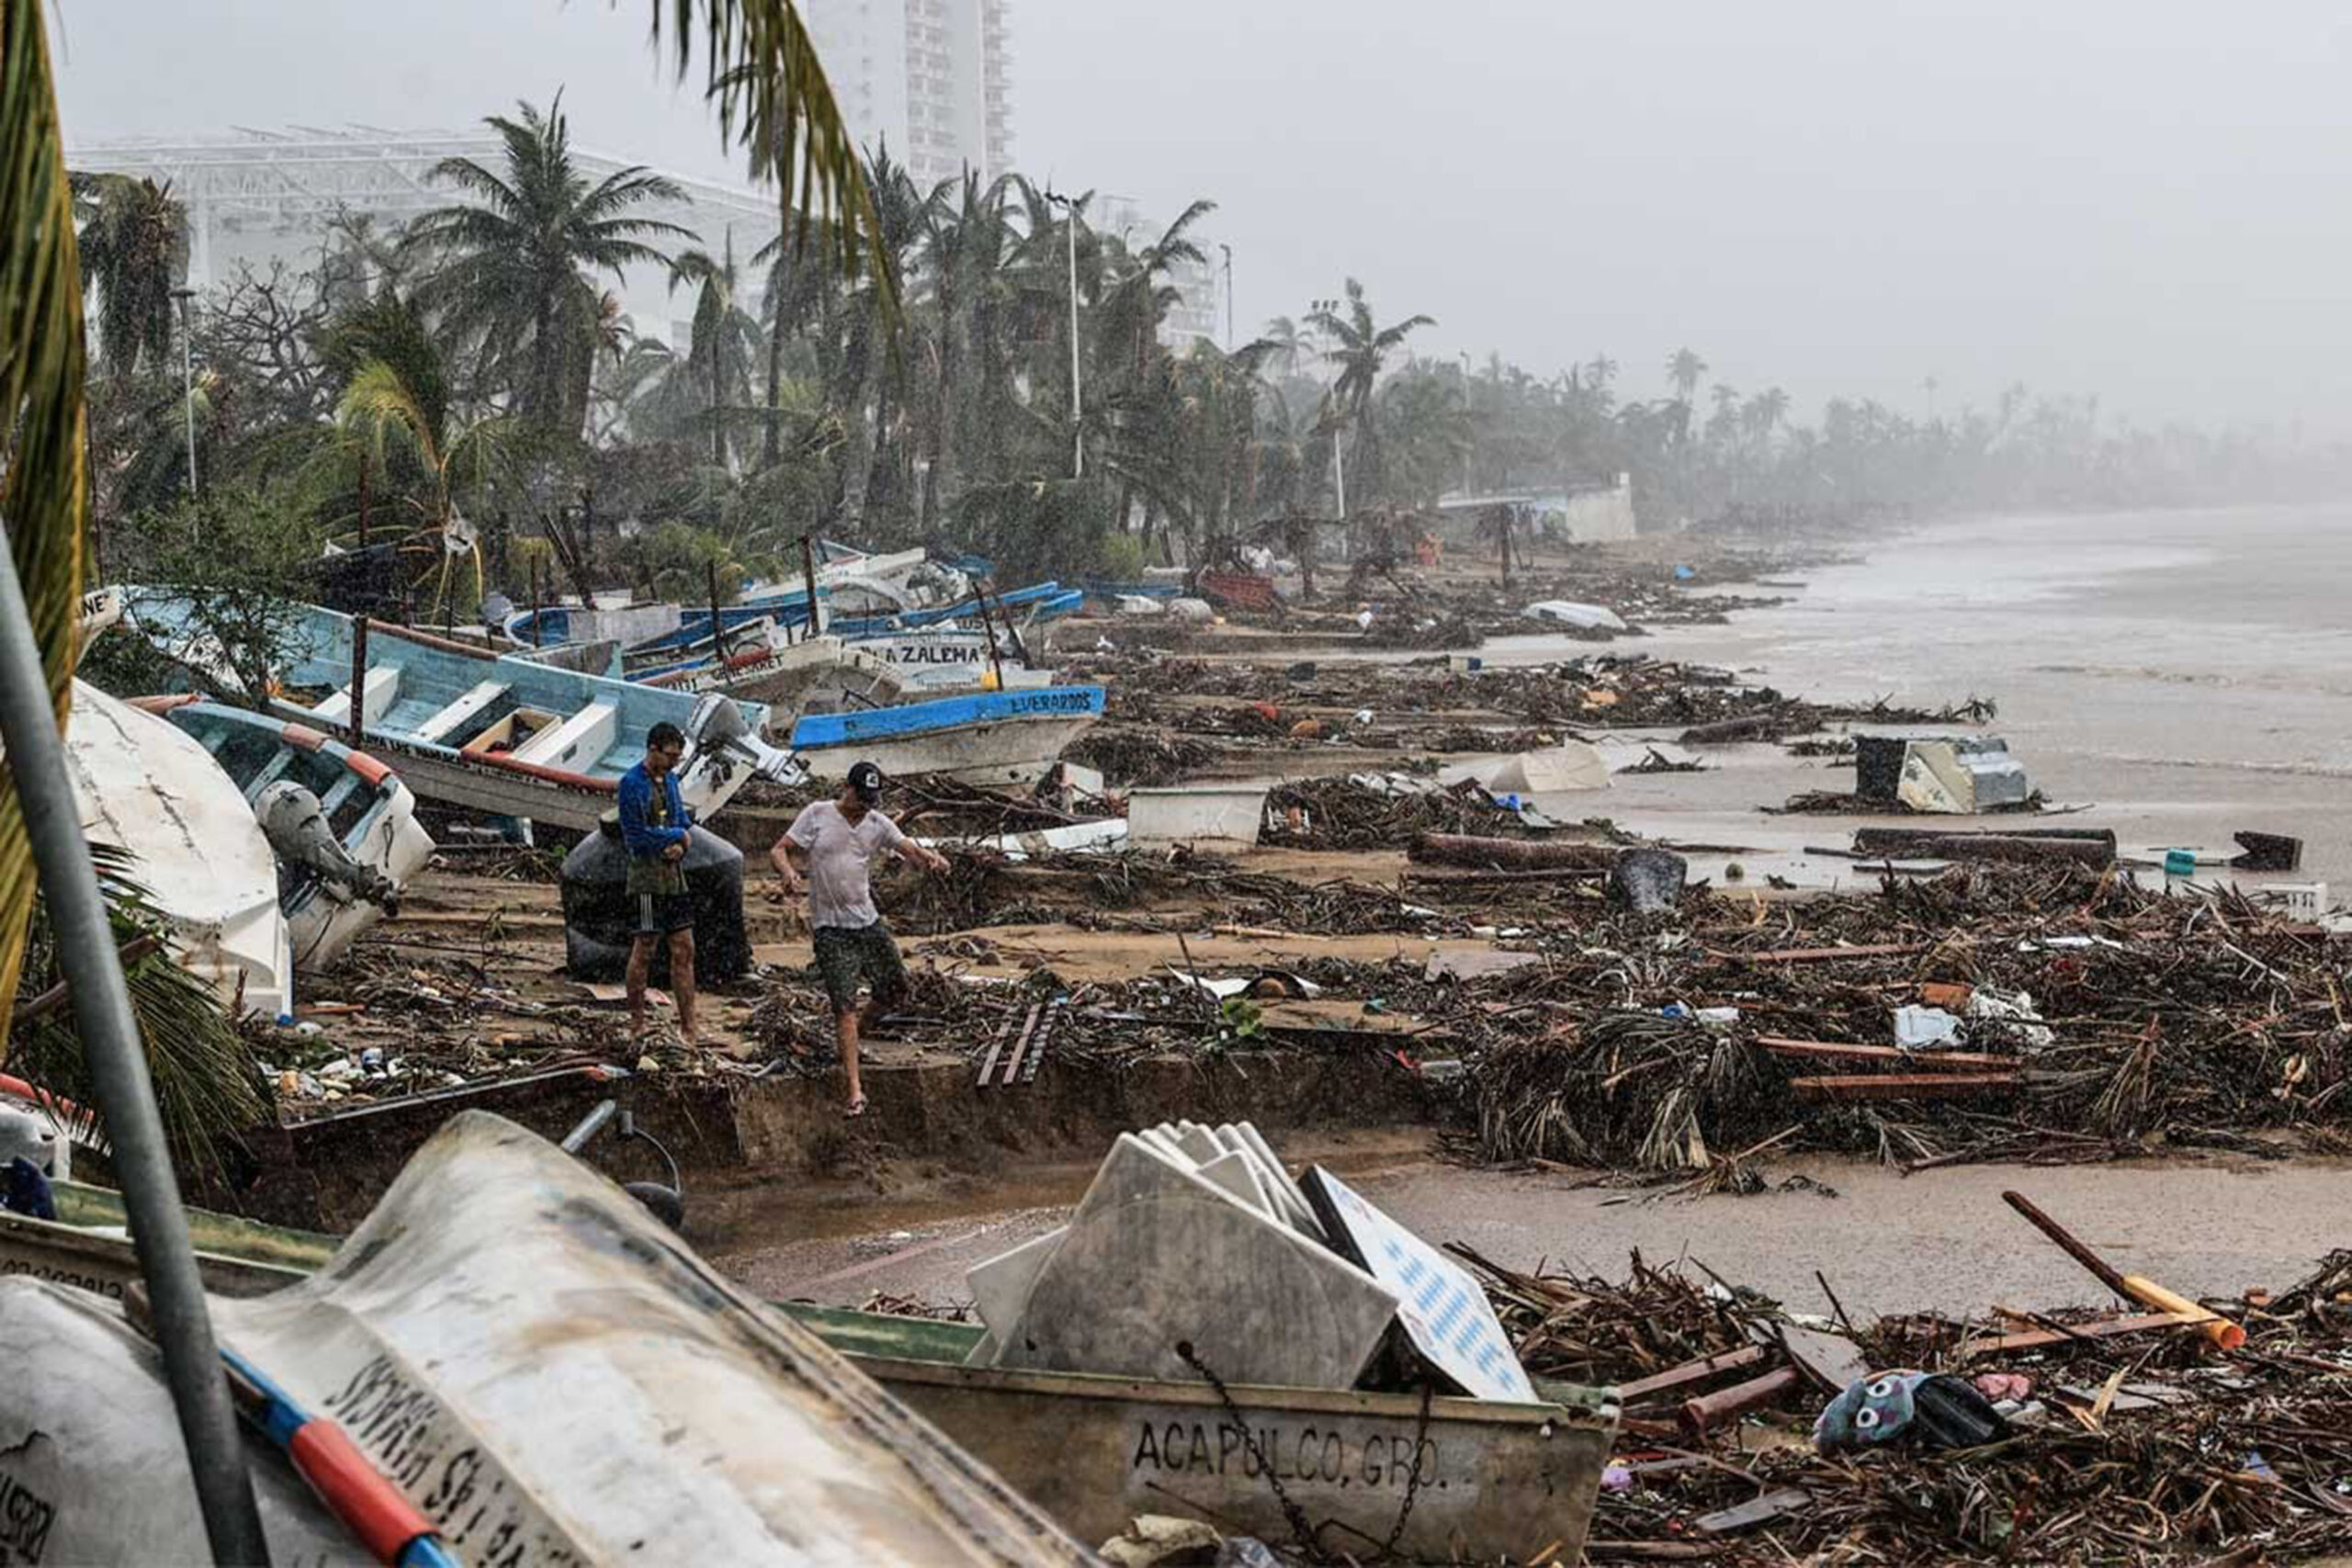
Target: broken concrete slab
x,y
1156,1258
999,1285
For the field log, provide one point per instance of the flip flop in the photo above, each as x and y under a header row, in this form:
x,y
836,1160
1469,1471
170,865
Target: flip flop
x,y
855,1110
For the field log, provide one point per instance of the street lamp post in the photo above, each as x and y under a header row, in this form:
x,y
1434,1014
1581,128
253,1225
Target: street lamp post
x,y
1077,405
1339,464
1228,296
186,297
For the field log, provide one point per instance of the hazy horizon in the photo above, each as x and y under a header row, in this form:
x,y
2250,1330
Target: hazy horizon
x,y
1848,198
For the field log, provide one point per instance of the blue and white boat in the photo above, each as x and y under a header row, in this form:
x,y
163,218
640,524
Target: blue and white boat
x,y
342,824
492,733
986,737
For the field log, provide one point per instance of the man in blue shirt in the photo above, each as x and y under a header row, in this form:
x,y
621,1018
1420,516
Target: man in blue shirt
x,y
655,826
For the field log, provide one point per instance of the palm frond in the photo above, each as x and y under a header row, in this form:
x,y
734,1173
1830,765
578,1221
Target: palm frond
x,y
207,1084
761,65
43,492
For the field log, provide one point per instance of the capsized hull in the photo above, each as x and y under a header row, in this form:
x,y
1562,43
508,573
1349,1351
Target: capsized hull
x,y
547,1374
196,849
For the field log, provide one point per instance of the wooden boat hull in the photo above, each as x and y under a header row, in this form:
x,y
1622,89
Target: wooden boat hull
x,y
1496,1480
995,737
470,727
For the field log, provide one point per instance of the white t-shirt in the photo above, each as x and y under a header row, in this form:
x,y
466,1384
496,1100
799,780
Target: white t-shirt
x,y
840,861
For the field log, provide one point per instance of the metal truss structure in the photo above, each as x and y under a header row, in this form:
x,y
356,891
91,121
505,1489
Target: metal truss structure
x,y
249,189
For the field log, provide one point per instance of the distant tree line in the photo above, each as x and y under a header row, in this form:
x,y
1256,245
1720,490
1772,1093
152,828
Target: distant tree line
x,y
469,385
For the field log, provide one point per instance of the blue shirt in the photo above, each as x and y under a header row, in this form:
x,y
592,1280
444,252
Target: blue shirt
x,y
651,824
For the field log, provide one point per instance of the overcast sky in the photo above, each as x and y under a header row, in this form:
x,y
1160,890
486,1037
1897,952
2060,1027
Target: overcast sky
x,y
2143,199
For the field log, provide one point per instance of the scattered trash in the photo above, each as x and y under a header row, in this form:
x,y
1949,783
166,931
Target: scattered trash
x,y
1925,1028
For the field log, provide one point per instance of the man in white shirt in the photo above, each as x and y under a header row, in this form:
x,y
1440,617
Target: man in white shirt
x,y
835,841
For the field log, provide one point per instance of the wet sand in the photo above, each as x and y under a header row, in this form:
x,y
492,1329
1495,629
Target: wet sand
x,y
1942,1240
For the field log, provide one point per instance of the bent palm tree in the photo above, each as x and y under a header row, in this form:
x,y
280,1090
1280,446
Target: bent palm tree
x,y
1360,349
724,339
761,67
134,252
515,264
384,413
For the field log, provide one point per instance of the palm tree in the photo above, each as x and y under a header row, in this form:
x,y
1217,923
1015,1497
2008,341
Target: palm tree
x,y
389,414
1360,349
134,253
1292,342
724,341
513,268
1683,371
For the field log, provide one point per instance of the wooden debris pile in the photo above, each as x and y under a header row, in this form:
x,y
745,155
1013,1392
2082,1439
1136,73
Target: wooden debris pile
x,y
2182,1021
2131,1439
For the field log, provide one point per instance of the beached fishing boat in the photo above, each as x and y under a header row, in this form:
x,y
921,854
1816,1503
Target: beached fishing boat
x,y
945,659
1496,1478
819,674
988,737
155,794
343,825
521,1352
501,735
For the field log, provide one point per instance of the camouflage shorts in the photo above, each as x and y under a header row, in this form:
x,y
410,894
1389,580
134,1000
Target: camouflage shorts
x,y
847,954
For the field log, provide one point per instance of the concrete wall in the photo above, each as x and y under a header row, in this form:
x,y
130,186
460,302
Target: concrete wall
x,y
1599,516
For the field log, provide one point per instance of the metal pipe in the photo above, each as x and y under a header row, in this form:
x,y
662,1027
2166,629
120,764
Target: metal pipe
x,y
117,1064
186,297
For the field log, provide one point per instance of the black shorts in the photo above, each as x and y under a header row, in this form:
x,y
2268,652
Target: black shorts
x,y
845,954
659,914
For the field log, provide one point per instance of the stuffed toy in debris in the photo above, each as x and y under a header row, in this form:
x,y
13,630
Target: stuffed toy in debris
x,y
1931,1409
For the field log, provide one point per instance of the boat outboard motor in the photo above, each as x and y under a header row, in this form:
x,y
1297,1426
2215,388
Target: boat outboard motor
x,y
719,741
27,1135
297,828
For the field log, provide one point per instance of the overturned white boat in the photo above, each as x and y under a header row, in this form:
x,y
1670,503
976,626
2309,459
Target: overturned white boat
x,y
541,1367
195,849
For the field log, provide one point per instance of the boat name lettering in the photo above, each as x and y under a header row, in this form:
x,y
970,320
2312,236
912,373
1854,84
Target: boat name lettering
x,y
1301,1454
98,1285
933,653
1053,699
25,1519
407,1431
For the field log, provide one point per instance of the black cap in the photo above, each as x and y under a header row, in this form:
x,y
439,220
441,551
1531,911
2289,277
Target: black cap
x,y
867,779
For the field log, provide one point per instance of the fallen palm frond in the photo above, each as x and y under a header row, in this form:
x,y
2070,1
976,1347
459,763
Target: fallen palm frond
x,y
207,1084
43,495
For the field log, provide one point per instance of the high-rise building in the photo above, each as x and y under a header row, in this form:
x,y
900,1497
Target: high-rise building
x,y
930,79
